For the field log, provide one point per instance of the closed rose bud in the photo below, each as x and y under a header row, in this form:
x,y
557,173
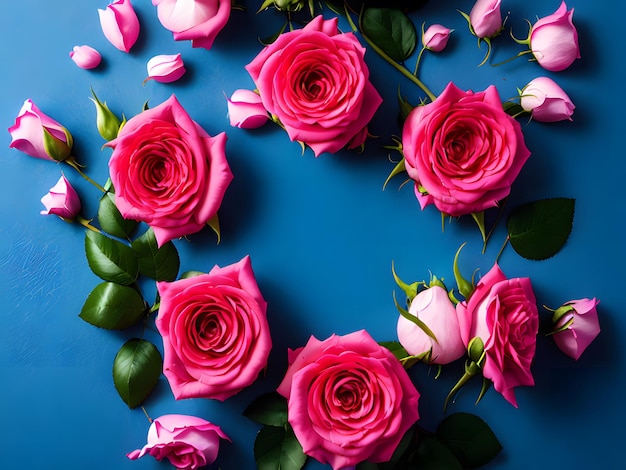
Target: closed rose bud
x,y
546,101
576,325
245,110
486,18
62,200
435,38
85,57
165,68
120,24
554,40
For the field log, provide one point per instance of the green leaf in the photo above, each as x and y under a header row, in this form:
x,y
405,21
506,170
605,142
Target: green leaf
x,y
110,259
391,30
512,109
159,263
110,219
136,371
396,349
539,229
276,448
269,409
113,306
434,455
469,438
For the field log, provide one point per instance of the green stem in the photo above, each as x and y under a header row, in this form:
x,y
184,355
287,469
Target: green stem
x,y
72,162
495,223
85,223
506,241
417,62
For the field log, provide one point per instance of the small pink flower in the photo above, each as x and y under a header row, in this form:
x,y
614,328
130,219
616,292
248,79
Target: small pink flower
x,y
554,40
246,110
120,24
435,38
85,57
62,200
546,101
165,68
576,326
486,18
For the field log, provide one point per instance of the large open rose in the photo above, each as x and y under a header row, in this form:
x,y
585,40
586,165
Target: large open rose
x,y
168,172
316,82
349,399
463,151
216,338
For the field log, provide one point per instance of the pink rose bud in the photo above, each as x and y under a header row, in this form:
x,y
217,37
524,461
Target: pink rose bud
x,y
246,110
435,309
486,18
554,40
62,200
187,442
576,325
435,38
40,136
120,24
165,68
85,57
546,101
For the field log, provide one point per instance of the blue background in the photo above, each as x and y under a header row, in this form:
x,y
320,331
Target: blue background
x,y
321,233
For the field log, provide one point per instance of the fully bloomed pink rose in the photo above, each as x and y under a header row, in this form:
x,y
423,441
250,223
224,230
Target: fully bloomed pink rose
x,y
546,101
486,18
349,399
554,40
503,314
62,200
120,24
316,82
187,442
576,326
463,151
196,20
216,338
168,172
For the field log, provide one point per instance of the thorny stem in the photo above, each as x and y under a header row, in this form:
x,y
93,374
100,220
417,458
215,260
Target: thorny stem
x,y
85,223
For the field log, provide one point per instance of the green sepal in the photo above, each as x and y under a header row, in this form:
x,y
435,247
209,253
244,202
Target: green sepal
x,y
409,290
407,360
56,148
399,168
483,389
269,409
113,306
405,107
214,223
563,327
276,447
464,286
136,371
476,350
158,263
561,312
266,4
270,39
110,259
107,123
479,218
414,319
471,369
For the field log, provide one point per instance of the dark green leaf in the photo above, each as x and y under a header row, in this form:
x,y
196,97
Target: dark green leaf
x,y
110,259
269,409
110,219
539,229
391,30
512,109
113,306
276,448
396,348
469,438
136,370
159,263
434,455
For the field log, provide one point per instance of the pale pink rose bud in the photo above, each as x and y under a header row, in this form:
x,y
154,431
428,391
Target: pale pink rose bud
x,y
435,309
576,325
546,101
486,18
85,57
554,40
435,38
246,110
120,24
62,200
165,68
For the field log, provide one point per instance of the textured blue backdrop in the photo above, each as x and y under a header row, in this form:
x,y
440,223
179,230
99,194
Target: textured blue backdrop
x,y
321,234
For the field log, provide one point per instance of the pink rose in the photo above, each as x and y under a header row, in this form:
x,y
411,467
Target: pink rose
x,y
85,57
463,151
187,442
503,314
120,24
62,200
546,101
436,37
196,20
216,338
486,18
435,309
316,82
168,172
40,136
165,68
245,110
554,40
349,399
576,326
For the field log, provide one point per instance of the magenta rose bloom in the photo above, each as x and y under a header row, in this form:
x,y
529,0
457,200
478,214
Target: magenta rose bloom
x,y
576,325
168,172
62,200
187,442
503,314
216,338
463,151
349,399
315,81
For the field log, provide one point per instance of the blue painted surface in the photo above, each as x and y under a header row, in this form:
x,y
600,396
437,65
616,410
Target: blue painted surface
x,y
321,234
